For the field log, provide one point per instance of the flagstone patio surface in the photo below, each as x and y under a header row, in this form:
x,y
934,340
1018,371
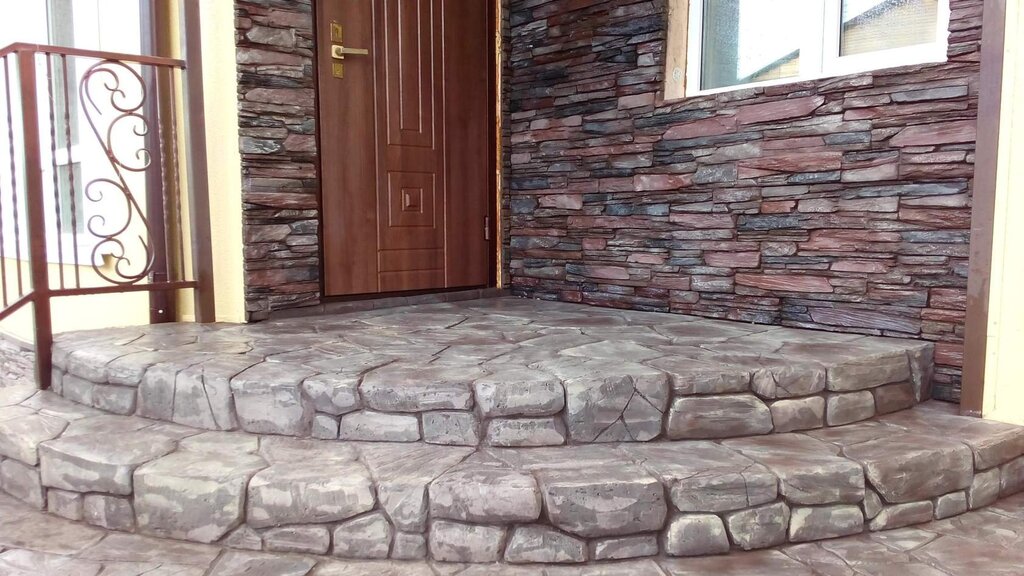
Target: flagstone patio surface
x,y
500,372
495,433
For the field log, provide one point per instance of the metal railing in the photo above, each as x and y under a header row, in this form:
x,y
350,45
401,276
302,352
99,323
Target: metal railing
x,y
104,185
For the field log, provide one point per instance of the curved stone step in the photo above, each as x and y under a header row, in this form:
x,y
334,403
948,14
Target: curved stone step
x,y
565,504
502,372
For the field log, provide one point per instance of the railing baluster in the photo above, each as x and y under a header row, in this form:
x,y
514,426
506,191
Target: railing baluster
x,y
176,187
36,217
14,176
71,170
10,136
51,108
163,89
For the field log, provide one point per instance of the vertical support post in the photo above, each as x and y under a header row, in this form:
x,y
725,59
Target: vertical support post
x,y
972,395
161,303
36,217
196,159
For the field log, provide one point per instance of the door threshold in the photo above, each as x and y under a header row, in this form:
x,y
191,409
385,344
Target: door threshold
x,y
364,302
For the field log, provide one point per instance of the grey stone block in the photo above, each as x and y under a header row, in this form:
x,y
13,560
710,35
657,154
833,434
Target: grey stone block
x,y
409,546
517,391
761,527
194,496
451,428
544,545
485,495
367,537
291,493
949,505
624,548
698,417
696,535
603,502
22,482
64,504
335,394
457,542
92,463
379,427
819,523
110,512
525,432
300,539
848,408
798,414
900,515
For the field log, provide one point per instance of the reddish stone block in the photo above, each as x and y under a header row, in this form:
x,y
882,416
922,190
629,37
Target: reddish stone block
x,y
937,217
949,354
733,259
796,162
780,110
778,207
785,282
658,182
848,240
563,201
794,143
700,128
945,132
643,258
703,221
856,318
594,243
860,266
604,272
948,298
636,101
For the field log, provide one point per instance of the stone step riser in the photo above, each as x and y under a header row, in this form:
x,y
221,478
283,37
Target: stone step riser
x,y
501,372
507,407
548,505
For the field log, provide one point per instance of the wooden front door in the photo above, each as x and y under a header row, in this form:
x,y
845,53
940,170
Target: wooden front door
x,y
405,143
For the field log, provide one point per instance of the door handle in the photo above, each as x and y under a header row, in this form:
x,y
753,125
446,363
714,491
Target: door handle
x,y
338,52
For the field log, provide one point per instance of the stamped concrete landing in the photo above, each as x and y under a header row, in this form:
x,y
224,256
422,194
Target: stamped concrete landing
x,y
543,505
503,372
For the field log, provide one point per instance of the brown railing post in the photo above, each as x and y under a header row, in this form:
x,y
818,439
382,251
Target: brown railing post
x,y
36,217
195,154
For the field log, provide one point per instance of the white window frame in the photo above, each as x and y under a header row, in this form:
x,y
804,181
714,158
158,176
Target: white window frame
x,y
819,56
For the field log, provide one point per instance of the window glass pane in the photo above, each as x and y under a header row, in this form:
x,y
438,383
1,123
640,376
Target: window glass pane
x,y
754,40
872,25
65,183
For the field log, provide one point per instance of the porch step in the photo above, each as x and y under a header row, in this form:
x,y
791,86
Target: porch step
x,y
502,372
567,504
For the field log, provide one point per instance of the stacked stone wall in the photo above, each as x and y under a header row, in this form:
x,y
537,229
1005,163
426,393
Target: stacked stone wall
x,y
840,204
277,137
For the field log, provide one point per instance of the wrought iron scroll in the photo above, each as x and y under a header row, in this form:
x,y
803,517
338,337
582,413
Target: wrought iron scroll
x,y
113,95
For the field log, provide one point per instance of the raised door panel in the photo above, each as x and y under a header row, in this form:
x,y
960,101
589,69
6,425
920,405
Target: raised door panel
x,y
412,191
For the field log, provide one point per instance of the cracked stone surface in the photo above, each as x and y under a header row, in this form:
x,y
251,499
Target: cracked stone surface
x,y
395,484
500,372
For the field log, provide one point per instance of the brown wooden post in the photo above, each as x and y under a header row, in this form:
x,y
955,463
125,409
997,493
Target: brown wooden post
x,y
195,154
36,217
972,395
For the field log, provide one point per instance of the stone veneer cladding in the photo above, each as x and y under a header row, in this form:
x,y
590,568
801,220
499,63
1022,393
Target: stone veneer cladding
x,y
840,204
280,186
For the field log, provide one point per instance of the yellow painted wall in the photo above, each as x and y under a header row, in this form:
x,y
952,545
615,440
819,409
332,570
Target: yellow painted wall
x,y
1004,382
224,159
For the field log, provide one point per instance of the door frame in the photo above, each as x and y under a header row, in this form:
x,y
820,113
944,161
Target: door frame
x,y
494,188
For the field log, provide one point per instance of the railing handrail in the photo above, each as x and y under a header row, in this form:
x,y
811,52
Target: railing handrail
x,y
18,47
